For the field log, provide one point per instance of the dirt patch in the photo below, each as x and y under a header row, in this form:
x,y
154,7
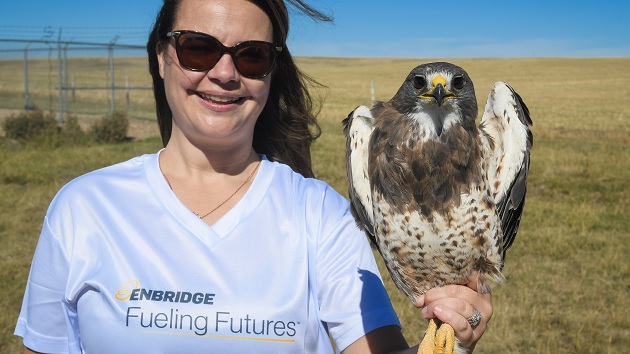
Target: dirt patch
x,y
142,129
138,128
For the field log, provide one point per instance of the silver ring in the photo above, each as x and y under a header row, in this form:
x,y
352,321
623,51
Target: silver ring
x,y
475,318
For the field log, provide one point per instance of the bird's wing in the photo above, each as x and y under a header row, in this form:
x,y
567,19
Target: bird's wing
x,y
506,122
358,127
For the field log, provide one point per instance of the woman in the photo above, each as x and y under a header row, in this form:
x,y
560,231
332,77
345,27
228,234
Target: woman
x,y
219,242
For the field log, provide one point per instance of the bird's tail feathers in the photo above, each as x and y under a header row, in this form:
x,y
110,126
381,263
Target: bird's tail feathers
x,y
489,274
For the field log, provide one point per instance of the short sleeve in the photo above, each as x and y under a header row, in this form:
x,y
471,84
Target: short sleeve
x,y
353,299
45,322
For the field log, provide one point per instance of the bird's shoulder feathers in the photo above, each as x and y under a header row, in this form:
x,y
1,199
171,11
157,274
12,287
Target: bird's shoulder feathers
x,y
505,127
358,127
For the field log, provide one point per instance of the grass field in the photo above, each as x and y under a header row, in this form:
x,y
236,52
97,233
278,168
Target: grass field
x,y
568,273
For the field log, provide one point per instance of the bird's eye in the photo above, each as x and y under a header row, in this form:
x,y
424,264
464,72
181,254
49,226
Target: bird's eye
x,y
459,82
419,82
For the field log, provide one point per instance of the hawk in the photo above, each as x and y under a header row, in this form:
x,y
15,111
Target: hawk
x,y
439,196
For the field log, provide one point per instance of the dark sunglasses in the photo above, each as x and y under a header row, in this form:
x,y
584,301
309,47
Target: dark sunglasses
x,y
198,51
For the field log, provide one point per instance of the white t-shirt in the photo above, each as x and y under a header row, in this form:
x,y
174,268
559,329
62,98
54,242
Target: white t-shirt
x,y
122,266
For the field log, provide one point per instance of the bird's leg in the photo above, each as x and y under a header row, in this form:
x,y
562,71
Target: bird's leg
x,y
438,340
427,346
445,339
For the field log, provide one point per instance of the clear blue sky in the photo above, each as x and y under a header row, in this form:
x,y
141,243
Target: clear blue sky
x,y
373,28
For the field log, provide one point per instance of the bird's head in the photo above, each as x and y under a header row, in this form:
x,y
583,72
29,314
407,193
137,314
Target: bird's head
x,y
437,96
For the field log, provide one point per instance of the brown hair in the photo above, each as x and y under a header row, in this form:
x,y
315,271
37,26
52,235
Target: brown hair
x,y
287,126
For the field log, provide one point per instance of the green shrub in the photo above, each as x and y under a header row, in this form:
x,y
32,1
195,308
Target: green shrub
x,y
30,125
71,132
110,129
41,129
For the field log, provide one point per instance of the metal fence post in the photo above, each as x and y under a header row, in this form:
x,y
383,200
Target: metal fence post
x,y
60,77
65,76
112,81
27,104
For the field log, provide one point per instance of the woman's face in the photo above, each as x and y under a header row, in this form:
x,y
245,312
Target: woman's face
x,y
218,106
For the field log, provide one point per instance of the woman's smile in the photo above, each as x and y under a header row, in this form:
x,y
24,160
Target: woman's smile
x,y
219,99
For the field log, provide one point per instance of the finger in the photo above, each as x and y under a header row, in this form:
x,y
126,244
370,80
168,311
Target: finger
x,y
457,305
482,302
459,314
467,335
463,331
449,291
419,301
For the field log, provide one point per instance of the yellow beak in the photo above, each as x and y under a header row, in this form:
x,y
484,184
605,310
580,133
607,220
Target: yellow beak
x,y
438,91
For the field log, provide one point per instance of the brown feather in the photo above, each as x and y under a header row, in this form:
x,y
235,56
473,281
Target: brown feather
x,y
429,176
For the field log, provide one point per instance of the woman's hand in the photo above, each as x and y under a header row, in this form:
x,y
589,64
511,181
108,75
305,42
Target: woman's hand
x,y
453,304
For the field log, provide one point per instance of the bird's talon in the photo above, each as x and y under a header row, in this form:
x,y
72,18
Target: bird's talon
x,y
438,340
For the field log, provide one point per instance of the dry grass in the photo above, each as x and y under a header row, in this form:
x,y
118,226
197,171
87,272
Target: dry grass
x,y
567,273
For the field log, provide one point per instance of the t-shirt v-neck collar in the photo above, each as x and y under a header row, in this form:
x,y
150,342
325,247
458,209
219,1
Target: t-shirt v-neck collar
x,y
222,227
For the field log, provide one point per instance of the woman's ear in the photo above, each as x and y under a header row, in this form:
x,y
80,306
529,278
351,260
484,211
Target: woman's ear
x,y
159,51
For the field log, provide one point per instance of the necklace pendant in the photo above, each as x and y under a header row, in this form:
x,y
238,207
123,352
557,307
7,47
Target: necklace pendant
x,y
228,198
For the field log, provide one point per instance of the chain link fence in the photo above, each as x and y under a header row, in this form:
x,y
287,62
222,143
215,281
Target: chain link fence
x,y
66,77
